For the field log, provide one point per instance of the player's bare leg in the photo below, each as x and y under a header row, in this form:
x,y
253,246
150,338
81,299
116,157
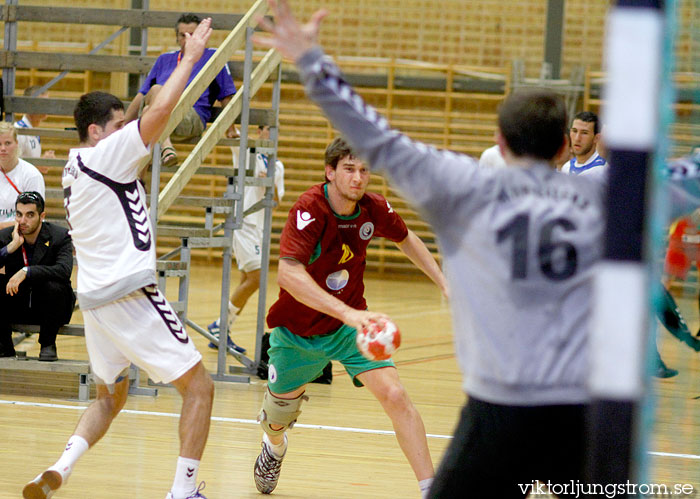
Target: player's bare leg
x,y
249,284
385,385
92,426
197,391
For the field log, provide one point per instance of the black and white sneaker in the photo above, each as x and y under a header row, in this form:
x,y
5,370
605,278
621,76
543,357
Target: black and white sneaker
x,y
267,469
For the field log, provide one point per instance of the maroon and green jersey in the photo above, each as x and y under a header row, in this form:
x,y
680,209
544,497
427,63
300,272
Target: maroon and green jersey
x,y
333,248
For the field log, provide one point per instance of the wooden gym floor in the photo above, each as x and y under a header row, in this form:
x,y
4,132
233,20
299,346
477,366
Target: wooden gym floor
x,y
343,446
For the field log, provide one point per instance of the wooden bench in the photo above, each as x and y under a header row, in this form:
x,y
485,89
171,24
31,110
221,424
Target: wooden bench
x,y
23,363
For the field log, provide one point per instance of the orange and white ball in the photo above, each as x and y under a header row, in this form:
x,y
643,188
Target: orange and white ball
x,y
379,341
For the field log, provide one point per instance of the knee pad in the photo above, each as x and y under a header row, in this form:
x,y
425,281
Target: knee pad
x,y
279,412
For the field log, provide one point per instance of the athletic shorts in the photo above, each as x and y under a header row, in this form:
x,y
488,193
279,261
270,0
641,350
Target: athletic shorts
x,y
297,360
140,328
190,127
247,246
498,450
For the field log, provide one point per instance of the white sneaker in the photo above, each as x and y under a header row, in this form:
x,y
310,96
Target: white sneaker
x,y
45,484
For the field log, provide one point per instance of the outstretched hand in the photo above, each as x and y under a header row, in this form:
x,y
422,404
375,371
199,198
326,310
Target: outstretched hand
x,y
288,36
197,41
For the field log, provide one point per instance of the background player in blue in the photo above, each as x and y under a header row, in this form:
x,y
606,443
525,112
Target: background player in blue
x,y
321,306
584,135
127,320
193,123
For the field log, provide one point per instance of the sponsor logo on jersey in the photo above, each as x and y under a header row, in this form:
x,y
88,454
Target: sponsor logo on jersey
x,y
303,219
347,254
366,231
271,373
337,280
391,210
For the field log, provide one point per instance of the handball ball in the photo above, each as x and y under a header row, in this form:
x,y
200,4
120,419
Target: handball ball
x,y
379,341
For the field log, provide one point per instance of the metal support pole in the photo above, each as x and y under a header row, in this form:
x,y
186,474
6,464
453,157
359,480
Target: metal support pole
x,y
267,226
9,74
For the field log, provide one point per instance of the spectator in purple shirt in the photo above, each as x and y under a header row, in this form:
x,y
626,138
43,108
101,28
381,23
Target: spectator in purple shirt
x,y
192,125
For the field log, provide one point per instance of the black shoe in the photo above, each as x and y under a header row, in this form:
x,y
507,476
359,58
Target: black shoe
x,y
7,350
48,353
665,372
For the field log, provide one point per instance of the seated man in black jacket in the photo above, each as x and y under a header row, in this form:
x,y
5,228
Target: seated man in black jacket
x,y
36,287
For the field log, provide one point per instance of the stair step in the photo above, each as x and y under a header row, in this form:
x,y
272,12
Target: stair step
x,y
179,231
67,330
167,265
204,201
34,364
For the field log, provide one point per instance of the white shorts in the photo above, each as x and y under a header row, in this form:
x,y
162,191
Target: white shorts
x,y
247,246
141,328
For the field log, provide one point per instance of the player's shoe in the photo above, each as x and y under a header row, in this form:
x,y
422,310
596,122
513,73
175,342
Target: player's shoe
x,y
197,494
44,485
267,470
214,330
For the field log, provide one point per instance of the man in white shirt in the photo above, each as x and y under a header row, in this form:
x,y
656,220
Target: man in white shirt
x,y
127,320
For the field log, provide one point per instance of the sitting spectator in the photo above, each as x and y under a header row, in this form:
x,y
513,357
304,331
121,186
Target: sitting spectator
x,y
30,145
192,125
36,286
17,175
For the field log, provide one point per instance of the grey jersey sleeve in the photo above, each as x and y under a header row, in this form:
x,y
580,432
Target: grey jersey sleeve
x,y
435,181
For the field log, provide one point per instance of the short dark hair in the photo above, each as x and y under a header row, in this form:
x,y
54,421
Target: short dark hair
x,y
533,123
31,197
187,18
337,150
94,108
589,117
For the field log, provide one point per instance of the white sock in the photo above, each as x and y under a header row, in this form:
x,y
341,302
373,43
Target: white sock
x,y
425,487
278,450
76,447
233,312
185,482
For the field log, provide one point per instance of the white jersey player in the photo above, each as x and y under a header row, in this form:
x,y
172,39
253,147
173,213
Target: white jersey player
x,y
127,320
247,241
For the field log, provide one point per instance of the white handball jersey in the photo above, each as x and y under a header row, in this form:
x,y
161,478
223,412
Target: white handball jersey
x,y
29,145
108,217
25,177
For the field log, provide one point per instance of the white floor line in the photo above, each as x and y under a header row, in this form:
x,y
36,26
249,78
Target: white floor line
x,y
298,425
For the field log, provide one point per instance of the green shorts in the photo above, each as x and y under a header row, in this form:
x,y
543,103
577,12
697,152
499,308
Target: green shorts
x,y
190,127
298,360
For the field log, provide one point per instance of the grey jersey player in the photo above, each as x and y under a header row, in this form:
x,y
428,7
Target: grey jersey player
x,y
518,247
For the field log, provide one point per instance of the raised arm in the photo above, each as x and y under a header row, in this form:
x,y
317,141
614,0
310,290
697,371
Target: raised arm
x,y
292,276
418,253
153,121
